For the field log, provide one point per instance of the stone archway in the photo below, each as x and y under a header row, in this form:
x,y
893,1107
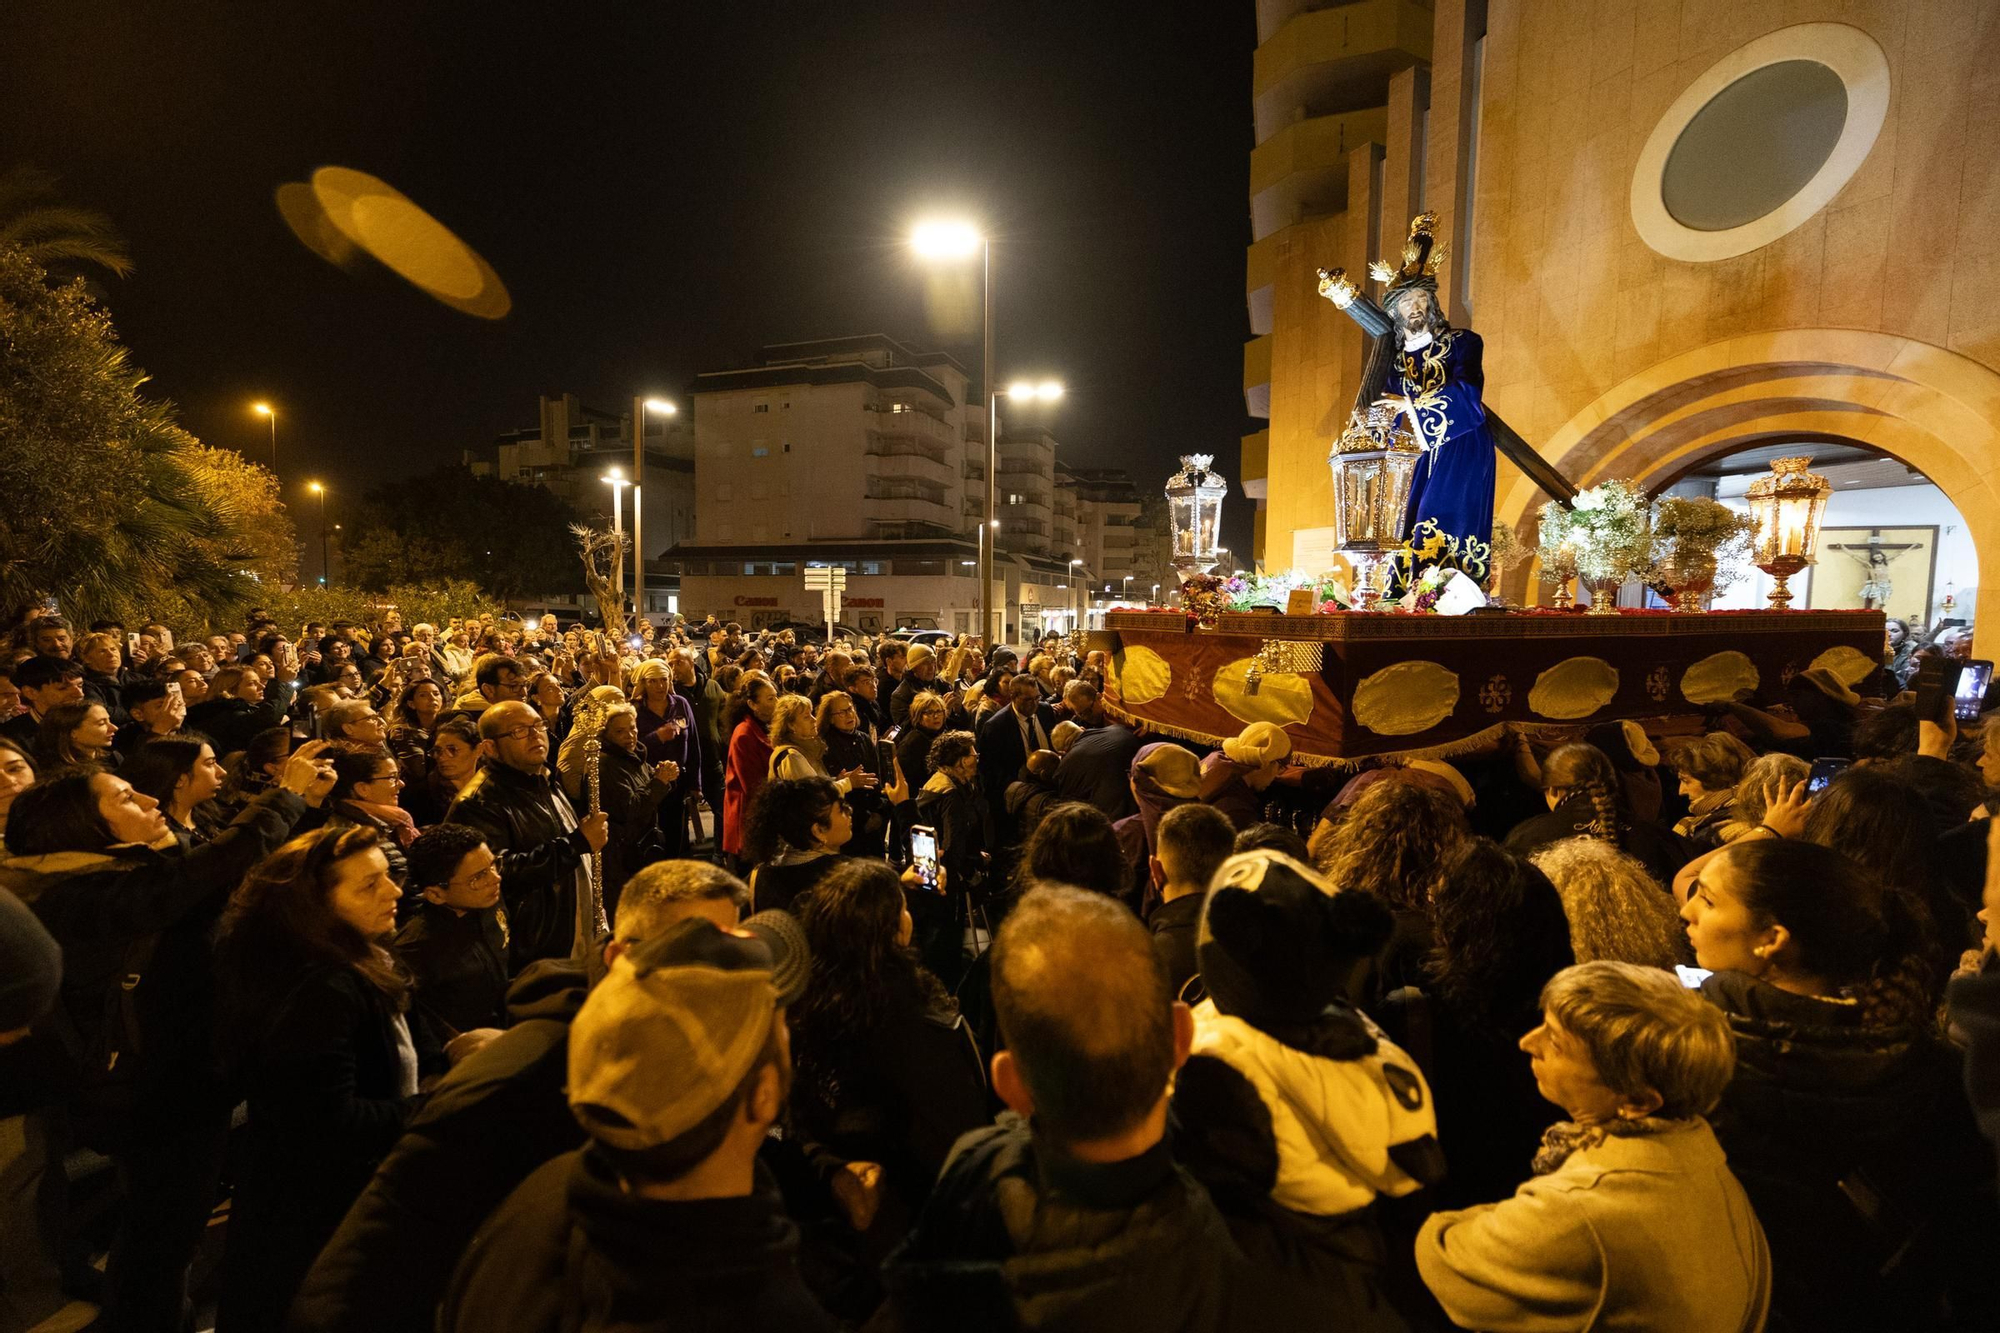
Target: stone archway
x,y
1933,409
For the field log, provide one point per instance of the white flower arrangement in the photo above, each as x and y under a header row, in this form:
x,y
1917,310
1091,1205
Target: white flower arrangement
x,y
1607,531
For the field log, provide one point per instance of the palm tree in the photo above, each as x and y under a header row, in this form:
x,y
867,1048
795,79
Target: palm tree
x,y
55,234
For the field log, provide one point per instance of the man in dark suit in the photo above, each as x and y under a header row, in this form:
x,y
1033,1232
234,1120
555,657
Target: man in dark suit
x,y
1097,766
1005,742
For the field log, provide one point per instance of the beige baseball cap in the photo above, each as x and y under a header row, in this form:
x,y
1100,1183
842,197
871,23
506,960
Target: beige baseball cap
x,y
678,1024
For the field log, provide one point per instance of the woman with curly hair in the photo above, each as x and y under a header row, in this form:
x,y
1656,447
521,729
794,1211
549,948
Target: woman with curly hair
x,y
1498,935
1615,909
1393,844
1586,800
887,1075
795,833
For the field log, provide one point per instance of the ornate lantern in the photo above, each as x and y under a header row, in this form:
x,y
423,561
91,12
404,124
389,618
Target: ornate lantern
x,y
1194,504
1373,462
1787,506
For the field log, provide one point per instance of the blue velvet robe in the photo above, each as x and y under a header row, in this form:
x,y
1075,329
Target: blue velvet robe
x,y
1450,517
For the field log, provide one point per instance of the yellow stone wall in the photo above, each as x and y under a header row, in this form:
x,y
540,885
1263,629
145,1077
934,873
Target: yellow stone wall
x,y
1877,320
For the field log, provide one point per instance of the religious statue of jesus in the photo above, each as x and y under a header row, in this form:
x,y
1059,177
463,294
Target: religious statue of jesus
x,y
1437,381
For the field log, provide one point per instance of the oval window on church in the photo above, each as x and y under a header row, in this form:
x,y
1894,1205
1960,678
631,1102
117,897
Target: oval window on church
x,y
1755,145
1760,141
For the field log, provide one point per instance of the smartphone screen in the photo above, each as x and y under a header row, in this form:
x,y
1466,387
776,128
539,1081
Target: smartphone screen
x,y
1970,696
1824,771
923,855
1936,682
1691,977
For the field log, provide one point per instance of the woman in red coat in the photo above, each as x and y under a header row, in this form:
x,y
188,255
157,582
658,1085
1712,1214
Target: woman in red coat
x,y
748,761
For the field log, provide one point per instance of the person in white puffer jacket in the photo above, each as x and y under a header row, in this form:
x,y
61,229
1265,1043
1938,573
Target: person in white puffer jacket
x,y
1293,1108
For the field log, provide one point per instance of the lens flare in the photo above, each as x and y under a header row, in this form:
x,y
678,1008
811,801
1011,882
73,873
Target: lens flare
x,y
344,212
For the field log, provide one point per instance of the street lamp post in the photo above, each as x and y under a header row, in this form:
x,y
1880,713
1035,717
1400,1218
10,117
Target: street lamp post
x,y
325,565
641,406
1075,597
266,410
1151,601
939,240
1125,589
615,479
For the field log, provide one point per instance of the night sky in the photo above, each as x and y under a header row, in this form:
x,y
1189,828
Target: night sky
x,y
663,187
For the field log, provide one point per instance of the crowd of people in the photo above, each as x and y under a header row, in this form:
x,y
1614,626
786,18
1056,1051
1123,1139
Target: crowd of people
x,y
504,975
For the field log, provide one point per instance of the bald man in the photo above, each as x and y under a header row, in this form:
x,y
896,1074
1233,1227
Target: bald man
x,y
1073,1207
538,843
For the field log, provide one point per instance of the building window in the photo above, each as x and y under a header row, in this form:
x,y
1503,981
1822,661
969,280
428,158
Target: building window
x,y
760,451
874,567
760,407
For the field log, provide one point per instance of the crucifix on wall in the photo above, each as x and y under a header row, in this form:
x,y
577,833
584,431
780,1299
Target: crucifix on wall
x,y
1874,556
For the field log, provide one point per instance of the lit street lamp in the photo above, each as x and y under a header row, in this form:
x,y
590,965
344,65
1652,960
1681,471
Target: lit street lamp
x,y
948,241
615,479
1076,598
266,410
641,406
325,565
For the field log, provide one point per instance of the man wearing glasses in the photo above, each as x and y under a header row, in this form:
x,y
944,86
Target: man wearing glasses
x,y
535,836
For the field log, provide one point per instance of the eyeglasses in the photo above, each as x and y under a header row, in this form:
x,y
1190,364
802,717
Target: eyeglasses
x,y
523,731
491,872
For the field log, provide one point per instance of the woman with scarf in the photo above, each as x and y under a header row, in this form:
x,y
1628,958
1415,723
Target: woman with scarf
x,y
798,752
669,733
1633,1218
365,789
1709,769
630,789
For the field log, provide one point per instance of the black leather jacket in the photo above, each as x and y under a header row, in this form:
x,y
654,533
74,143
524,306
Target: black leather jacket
x,y
529,825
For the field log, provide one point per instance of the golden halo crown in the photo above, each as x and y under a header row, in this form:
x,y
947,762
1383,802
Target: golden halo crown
x,y
1423,254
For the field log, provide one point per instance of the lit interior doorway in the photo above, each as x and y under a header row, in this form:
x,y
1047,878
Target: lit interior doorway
x,y
1889,538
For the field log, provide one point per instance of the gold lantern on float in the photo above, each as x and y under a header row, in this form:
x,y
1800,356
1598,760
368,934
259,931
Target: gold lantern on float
x,y
1787,506
1373,463
1194,507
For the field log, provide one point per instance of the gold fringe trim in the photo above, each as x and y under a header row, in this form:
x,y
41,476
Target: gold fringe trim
x,y
1479,740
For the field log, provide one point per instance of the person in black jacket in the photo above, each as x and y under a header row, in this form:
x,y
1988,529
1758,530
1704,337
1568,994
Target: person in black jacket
x,y
1194,842
314,1026
678,1067
529,824
1846,1120
1006,739
1585,799
631,790
485,1128
44,683
235,710
97,864
888,1075
455,943
1070,1212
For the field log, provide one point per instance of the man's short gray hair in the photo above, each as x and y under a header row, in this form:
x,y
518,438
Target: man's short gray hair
x,y
665,882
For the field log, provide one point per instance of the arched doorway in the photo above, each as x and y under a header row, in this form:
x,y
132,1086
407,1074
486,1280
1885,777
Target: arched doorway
x,y
1935,410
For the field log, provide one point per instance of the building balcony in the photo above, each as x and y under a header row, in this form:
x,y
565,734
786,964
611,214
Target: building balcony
x,y
1336,58
1256,463
895,442
1301,171
1257,376
907,509
912,467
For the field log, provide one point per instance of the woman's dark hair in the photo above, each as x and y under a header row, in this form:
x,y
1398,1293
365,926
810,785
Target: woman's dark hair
x,y
1887,732
1499,934
246,767
1394,841
1075,845
1846,928
464,727
1886,827
280,923
1273,838
405,715
860,975
58,814
784,814
1586,770
158,766
54,740
351,768
740,700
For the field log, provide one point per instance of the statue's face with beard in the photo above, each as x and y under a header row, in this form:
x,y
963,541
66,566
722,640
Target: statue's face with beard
x,y
1415,311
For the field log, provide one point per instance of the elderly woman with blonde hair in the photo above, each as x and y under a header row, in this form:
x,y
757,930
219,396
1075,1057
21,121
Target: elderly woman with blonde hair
x,y
1616,909
798,752
1633,1218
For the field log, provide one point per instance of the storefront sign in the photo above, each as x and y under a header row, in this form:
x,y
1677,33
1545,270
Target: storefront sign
x,y
864,601
756,601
